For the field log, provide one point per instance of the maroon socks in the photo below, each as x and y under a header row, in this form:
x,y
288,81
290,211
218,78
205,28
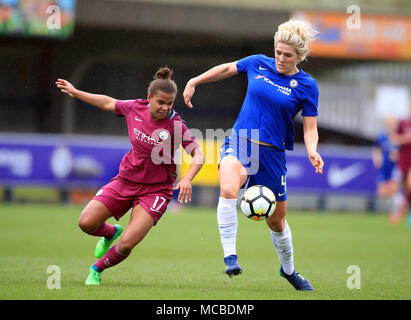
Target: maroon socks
x,y
110,259
105,230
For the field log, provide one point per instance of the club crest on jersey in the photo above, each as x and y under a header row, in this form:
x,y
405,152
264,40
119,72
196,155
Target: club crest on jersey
x,y
293,83
163,135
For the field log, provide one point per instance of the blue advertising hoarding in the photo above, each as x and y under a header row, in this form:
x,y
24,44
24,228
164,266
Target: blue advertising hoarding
x,y
60,161
347,170
91,161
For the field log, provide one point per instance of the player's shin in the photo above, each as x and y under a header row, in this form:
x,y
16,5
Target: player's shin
x,y
227,224
110,259
283,244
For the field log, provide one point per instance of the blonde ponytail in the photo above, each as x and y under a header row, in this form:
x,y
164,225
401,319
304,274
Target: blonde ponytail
x,y
297,34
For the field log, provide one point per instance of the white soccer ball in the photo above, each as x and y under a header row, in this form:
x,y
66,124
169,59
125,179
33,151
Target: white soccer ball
x,y
258,203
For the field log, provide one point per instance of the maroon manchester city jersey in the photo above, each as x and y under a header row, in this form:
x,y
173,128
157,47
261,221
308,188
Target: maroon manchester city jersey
x,y
404,161
153,143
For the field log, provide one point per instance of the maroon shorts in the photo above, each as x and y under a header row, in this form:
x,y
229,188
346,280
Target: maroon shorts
x,y
120,195
404,163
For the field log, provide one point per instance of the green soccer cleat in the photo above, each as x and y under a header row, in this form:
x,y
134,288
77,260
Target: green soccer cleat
x,y
93,278
103,245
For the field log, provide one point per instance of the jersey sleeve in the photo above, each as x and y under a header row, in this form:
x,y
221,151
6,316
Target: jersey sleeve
x,y
122,107
310,101
183,136
188,142
377,142
244,64
399,129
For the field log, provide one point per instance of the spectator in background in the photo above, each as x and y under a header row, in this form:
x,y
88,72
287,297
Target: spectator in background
x,y
401,136
385,158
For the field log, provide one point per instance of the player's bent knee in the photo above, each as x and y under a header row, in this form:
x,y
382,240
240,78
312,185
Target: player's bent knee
x,y
127,243
228,192
85,224
276,224
125,247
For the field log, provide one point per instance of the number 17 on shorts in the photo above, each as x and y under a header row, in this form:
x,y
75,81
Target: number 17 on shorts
x,y
155,205
158,204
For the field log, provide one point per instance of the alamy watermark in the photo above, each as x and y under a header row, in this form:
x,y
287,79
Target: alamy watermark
x,y
354,280
54,280
236,143
353,21
53,17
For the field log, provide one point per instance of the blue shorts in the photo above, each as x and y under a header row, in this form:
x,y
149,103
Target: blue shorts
x,y
388,172
266,165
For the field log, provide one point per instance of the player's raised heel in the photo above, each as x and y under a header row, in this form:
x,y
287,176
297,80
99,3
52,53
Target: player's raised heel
x,y
297,280
103,245
94,278
232,266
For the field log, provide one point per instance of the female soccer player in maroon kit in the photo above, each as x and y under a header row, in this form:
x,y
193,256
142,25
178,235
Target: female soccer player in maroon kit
x,y
146,174
402,137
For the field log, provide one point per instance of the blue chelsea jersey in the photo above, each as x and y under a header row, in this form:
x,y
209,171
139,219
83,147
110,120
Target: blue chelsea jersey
x,y
273,100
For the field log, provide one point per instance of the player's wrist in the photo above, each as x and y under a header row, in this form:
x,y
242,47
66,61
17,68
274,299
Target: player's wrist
x,y
311,153
187,179
191,83
75,93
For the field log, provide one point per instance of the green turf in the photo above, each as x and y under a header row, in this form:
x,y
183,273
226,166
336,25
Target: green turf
x,y
181,258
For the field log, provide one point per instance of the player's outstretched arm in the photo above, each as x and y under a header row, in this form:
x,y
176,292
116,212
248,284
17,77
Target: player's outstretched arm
x,y
100,101
217,73
311,142
185,184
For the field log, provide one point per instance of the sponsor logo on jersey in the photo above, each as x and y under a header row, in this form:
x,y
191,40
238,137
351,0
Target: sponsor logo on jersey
x,y
285,90
145,137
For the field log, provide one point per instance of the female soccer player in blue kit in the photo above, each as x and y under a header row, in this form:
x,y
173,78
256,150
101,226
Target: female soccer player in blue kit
x,y
277,91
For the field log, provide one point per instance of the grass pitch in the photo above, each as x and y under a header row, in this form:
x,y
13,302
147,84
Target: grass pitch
x,y
181,258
